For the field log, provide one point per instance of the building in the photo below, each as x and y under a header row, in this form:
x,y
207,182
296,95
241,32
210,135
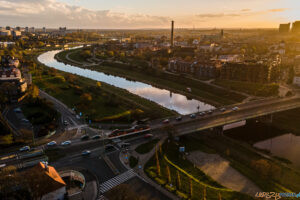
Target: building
x,y
48,184
296,27
5,33
16,33
284,28
296,80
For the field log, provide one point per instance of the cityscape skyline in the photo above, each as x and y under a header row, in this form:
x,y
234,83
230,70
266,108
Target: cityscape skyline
x,y
149,14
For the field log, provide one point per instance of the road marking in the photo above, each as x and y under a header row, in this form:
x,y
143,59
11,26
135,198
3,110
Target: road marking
x,y
117,180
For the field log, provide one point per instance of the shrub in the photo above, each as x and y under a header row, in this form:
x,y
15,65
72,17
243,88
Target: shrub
x,y
160,181
181,195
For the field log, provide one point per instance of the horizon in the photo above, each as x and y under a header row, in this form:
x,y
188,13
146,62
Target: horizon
x,y
91,14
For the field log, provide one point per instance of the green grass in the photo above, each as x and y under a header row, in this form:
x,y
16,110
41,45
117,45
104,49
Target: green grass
x,y
201,91
133,161
146,147
256,89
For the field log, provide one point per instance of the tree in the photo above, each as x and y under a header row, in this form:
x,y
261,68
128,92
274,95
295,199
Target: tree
x,y
178,181
157,162
168,174
191,188
86,97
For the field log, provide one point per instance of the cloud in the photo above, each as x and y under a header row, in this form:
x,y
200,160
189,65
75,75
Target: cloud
x,y
246,10
51,13
278,10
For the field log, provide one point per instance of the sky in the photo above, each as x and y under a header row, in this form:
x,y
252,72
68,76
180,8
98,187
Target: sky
x,y
140,14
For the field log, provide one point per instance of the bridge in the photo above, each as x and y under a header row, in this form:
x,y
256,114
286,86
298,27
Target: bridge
x,y
246,111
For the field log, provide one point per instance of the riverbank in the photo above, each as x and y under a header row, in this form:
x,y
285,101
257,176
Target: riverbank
x,y
94,101
175,83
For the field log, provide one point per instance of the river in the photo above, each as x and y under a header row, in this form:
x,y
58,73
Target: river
x,y
165,98
267,137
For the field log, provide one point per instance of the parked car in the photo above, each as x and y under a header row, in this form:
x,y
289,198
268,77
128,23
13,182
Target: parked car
x,y
85,137
235,108
96,137
65,143
86,152
210,112
179,118
52,143
166,121
66,123
193,116
25,148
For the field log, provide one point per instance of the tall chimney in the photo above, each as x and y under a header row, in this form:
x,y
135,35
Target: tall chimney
x,y
172,34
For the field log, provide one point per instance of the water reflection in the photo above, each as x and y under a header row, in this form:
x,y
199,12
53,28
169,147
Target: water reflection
x,y
163,97
286,146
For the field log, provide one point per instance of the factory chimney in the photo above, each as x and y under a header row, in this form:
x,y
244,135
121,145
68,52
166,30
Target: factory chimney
x,y
172,34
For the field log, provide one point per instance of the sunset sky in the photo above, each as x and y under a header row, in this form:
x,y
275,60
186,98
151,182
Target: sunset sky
x,y
149,13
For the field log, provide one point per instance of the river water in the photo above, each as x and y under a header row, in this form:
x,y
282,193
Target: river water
x,y
165,98
267,137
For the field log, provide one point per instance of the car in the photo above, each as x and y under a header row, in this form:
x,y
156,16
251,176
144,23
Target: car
x,y
65,143
66,123
210,112
86,152
148,135
166,121
77,117
52,143
85,137
193,116
96,137
179,118
25,120
202,113
223,109
17,110
25,148
235,108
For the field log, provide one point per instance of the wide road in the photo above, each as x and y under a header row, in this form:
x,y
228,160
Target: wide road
x,y
245,111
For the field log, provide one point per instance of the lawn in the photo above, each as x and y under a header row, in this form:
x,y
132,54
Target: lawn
x,y
146,147
133,161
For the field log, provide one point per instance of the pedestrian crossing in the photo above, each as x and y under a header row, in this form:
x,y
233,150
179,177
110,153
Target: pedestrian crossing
x,y
101,197
117,180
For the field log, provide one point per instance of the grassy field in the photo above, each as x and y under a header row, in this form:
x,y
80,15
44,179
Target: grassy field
x,y
146,147
255,89
200,91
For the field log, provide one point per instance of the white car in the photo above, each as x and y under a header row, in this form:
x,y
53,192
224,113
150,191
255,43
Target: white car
x,y
52,143
65,143
25,148
235,108
86,152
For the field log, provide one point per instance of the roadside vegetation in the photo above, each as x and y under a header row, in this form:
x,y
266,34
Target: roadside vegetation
x,y
255,89
146,147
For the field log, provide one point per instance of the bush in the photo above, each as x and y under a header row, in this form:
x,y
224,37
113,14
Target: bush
x,y
160,181
170,188
146,147
181,195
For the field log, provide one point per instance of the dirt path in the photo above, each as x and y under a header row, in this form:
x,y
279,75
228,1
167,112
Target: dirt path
x,y
219,169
